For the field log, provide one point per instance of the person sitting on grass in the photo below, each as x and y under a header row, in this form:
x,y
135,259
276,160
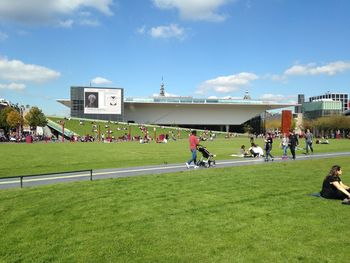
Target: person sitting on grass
x,y
333,187
242,152
256,151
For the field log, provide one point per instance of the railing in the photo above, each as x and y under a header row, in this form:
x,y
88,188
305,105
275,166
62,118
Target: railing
x,y
187,100
46,174
58,128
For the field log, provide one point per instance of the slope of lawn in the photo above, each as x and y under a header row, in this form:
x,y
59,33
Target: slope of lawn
x,y
259,213
120,129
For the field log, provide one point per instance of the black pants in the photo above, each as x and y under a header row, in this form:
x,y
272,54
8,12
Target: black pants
x,y
292,150
336,195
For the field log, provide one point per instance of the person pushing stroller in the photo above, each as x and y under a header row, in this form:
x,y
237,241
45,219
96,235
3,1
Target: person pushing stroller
x,y
194,142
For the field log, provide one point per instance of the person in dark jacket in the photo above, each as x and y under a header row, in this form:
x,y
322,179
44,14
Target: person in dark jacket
x,y
333,187
268,147
293,143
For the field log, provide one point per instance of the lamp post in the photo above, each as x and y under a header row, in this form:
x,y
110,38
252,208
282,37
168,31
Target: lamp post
x,y
155,134
21,109
62,124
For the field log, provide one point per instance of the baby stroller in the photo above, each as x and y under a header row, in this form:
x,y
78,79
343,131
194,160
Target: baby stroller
x,y
207,159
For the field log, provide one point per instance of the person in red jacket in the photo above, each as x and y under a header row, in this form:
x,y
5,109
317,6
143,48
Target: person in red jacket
x,y
193,148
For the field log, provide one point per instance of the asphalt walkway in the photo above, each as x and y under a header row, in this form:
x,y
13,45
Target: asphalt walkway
x,y
144,170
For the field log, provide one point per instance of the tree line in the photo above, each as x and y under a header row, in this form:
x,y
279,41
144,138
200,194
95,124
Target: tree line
x,y
12,117
323,126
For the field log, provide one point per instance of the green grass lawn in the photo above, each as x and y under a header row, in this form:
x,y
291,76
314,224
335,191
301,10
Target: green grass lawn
x,y
258,213
23,159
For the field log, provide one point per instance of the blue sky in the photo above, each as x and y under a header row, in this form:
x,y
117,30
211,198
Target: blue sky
x,y
275,49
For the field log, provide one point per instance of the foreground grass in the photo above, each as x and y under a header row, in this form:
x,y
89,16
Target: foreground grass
x,y
22,159
258,213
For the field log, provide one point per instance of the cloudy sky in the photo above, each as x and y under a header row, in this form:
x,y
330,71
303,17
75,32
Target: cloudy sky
x,y
275,49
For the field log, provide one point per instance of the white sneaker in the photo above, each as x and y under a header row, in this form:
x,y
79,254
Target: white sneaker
x,y
187,165
196,167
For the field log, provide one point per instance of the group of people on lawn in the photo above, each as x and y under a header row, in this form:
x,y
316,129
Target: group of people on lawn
x,y
290,142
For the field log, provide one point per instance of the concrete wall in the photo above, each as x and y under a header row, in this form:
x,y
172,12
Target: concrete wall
x,y
195,114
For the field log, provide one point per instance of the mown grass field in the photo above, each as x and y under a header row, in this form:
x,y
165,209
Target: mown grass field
x,y
258,213
24,159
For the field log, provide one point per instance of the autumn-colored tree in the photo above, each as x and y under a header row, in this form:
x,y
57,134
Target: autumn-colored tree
x,y
14,119
273,124
3,119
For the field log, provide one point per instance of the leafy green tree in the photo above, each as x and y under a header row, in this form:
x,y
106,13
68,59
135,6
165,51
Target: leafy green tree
x,y
326,125
3,119
35,117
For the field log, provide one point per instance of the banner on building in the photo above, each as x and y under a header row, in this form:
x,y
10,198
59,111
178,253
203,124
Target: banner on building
x,y
102,101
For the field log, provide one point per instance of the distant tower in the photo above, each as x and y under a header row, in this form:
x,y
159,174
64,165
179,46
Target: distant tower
x,y
161,93
247,96
301,100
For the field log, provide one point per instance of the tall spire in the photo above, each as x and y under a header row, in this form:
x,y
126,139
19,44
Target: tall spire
x,y
162,92
247,96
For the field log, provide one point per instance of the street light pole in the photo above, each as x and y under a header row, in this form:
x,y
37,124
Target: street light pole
x,y
62,123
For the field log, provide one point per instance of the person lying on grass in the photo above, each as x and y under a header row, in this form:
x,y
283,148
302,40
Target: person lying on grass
x,y
333,187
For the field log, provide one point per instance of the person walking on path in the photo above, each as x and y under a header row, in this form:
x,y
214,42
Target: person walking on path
x,y
268,147
194,141
293,143
284,144
333,187
308,141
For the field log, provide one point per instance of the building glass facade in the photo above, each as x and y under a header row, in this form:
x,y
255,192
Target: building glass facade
x,y
343,97
316,109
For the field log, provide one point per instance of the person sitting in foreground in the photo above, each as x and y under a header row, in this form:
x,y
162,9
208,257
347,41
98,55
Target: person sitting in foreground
x,y
333,187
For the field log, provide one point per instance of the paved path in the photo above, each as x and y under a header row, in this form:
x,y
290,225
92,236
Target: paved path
x,y
138,171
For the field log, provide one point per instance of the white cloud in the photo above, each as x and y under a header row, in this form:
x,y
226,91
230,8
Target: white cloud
x,y
66,24
312,69
13,86
279,98
166,94
89,22
171,31
82,22
195,9
39,11
100,81
276,77
3,36
226,84
16,70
